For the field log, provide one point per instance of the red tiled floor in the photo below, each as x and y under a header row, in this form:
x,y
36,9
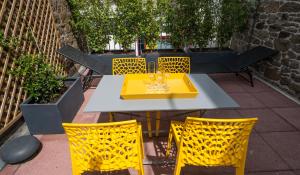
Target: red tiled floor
x,y
54,158
9,169
246,100
258,87
222,114
86,117
292,115
274,99
273,173
287,145
263,158
297,172
269,153
231,86
268,120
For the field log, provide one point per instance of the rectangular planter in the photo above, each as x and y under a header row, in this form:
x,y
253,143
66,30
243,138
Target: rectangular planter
x,y
48,118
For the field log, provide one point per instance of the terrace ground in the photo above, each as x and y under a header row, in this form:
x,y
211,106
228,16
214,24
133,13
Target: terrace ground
x,y
274,147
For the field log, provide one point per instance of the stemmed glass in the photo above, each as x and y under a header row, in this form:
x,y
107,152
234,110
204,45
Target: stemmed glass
x,y
156,83
150,87
151,70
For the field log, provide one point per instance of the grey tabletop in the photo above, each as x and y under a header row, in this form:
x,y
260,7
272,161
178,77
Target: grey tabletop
x,y
106,97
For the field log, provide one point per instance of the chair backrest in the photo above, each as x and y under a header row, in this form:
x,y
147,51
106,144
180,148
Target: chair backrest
x,y
104,146
215,142
174,64
121,66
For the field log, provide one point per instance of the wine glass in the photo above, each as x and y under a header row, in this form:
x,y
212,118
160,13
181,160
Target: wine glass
x,y
151,70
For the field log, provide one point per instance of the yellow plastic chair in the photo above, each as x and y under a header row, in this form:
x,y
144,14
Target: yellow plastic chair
x,y
105,146
121,66
174,64
211,142
171,65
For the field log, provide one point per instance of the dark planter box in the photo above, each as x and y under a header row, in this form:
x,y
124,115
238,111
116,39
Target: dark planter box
x,y
48,118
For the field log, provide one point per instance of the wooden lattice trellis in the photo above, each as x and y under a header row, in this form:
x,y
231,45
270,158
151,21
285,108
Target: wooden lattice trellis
x,y
25,19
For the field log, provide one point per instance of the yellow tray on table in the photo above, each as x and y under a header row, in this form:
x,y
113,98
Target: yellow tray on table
x,y
158,86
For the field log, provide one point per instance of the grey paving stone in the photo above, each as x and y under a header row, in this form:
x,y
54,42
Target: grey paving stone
x,y
287,144
268,120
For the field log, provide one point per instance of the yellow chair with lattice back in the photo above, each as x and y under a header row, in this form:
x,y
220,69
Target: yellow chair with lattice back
x,y
174,64
211,142
105,147
122,66
171,65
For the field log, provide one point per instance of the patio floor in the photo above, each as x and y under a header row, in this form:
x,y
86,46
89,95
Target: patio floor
x,y
274,147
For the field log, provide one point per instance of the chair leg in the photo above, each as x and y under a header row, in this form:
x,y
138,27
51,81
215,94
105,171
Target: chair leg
x,y
157,123
250,78
170,138
111,117
177,169
141,171
240,171
202,112
149,124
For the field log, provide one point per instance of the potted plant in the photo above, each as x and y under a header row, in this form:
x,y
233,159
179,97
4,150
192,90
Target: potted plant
x,y
52,100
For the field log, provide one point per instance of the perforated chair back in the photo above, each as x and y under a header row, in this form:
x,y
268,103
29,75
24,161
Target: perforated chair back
x,y
215,142
174,64
105,146
121,66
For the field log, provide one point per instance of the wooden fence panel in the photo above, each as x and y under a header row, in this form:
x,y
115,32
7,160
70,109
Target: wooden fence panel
x,y
25,19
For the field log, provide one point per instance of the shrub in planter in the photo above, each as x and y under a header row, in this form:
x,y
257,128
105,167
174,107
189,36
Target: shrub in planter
x,y
40,81
51,101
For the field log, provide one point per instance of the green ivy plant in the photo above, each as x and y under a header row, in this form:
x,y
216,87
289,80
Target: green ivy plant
x,y
40,81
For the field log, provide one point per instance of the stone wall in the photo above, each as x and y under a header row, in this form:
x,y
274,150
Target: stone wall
x,y
277,26
63,15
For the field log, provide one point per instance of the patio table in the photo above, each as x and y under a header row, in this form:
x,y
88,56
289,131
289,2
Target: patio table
x,y
106,98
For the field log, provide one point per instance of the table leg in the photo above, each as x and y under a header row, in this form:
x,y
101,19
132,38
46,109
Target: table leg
x,y
149,123
111,116
157,123
202,112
